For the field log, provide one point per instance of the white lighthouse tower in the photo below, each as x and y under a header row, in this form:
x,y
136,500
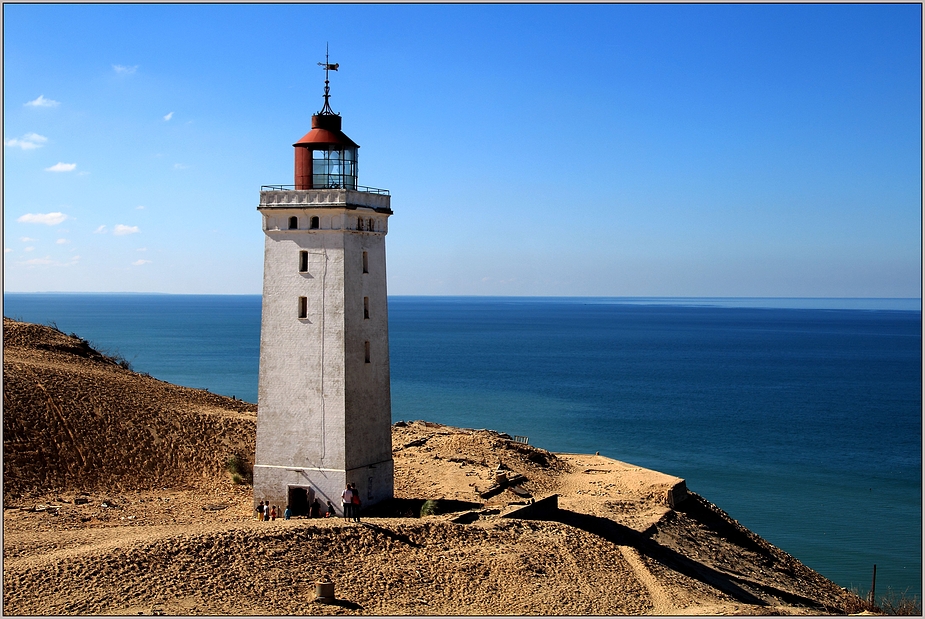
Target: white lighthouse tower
x,y
324,405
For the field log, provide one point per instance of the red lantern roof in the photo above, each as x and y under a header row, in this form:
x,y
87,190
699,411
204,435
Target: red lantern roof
x,y
326,132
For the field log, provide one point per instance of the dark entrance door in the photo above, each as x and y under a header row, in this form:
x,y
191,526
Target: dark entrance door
x,y
298,501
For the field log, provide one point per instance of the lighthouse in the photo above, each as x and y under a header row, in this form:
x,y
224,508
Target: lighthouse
x,y
324,404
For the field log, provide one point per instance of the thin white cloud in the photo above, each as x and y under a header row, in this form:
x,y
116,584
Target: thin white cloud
x,y
100,230
138,263
140,207
168,116
38,261
142,249
62,167
123,70
23,144
179,166
49,219
26,239
122,230
42,102
30,141
28,249
7,250
47,261
62,242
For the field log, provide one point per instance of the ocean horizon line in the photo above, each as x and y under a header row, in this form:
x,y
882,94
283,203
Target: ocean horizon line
x,y
753,302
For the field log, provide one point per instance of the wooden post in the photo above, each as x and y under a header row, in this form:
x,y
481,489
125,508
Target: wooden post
x,y
873,585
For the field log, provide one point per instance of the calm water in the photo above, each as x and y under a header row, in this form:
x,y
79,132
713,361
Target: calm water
x,y
800,418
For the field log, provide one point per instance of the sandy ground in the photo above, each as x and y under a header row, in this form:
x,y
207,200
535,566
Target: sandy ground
x,y
171,534
613,547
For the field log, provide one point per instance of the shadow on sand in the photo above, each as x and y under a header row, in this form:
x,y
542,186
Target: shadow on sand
x,y
729,584
398,537
411,508
342,603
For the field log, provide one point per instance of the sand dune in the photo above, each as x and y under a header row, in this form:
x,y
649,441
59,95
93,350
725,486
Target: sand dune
x,y
118,501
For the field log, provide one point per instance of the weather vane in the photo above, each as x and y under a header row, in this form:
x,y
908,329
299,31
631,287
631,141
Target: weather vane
x,y
327,89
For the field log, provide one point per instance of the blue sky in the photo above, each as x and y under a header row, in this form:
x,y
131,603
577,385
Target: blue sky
x,y
606,150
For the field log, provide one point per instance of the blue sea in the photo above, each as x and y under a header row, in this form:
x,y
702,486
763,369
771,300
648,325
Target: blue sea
x,y
802,418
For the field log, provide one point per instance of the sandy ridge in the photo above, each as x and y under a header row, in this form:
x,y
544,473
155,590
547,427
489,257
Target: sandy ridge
x,y
178,537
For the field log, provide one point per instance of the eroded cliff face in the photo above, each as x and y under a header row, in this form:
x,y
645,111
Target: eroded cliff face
x,y
117,501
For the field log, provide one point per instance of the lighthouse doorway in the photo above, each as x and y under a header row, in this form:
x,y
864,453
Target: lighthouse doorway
x,y
300,499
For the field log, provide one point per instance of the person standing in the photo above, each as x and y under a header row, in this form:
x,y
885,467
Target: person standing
x,y
346,499
259,511
355,503
288,513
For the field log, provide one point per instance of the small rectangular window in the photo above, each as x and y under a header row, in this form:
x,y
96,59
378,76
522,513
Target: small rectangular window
x,y
367,351
303,307
365,307
365,262
303,262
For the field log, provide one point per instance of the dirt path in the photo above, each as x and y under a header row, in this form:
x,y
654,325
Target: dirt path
x,y
661,604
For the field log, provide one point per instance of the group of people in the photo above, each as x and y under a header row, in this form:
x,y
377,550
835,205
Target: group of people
x,y
350,499
265,511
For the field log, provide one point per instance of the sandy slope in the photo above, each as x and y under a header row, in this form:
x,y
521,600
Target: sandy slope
x,y
177,537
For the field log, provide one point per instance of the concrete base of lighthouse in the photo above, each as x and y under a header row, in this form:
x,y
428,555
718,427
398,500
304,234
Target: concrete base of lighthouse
x,y
284,486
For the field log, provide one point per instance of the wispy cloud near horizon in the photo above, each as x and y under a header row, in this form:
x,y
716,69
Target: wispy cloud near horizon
x,y
49,219
38,261
168,116
41,101
29,141
62,167
122,230
124,70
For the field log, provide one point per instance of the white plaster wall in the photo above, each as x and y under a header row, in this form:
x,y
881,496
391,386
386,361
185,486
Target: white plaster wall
x,y
324,414
368,387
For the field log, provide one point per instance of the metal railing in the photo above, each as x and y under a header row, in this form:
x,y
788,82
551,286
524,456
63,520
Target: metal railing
x,y
362,188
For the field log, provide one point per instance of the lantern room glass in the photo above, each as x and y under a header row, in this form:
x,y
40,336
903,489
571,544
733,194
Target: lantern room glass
x,y
334,168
